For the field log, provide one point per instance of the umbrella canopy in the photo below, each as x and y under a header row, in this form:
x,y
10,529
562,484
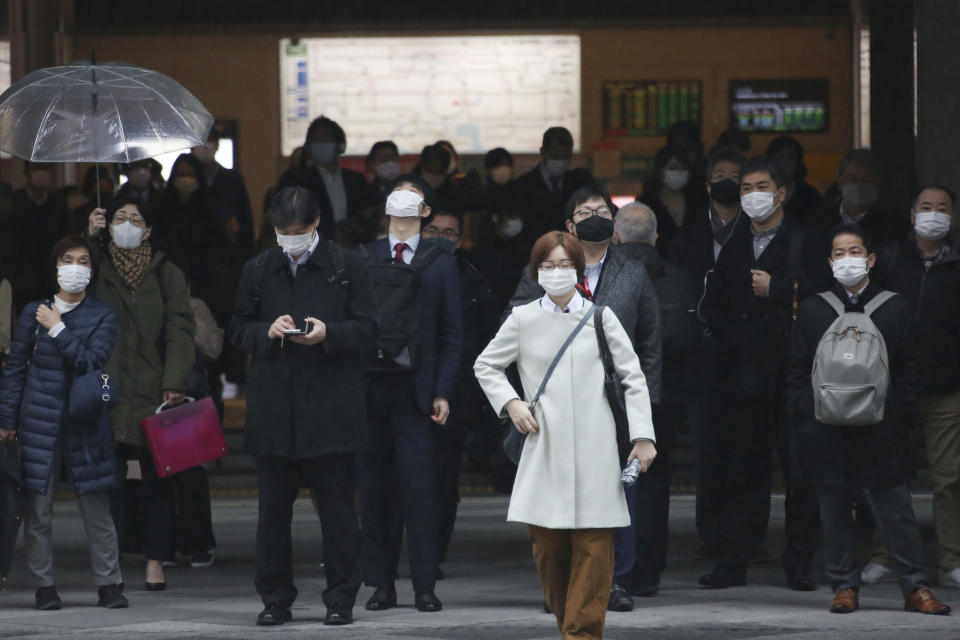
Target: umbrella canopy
x,y
112,112
11,504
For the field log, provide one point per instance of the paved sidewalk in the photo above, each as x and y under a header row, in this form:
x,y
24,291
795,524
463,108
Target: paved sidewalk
x,y
491,590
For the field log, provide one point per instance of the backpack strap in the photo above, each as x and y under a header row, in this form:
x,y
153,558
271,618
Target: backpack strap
x,y
877,301
423,258
258,268
339,267
556,359
834,302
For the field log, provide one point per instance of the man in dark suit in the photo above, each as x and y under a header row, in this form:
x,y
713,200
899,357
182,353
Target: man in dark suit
x,y
542,192
409,383
341,192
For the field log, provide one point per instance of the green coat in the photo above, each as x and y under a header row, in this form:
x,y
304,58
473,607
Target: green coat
x,y
156,314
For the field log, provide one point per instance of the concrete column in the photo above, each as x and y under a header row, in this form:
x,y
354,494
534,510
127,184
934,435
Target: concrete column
x,y
938,103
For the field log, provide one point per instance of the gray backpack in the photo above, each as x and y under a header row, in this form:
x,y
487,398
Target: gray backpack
x,y
851,372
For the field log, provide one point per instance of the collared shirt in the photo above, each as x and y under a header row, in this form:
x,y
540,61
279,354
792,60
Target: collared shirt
x,y
302,259
575,304
554,185
64,308
336,192
846,219
591,273
855,296
411,249
762,239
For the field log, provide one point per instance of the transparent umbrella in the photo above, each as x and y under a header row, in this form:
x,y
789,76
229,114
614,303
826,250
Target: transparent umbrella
x,y
112,112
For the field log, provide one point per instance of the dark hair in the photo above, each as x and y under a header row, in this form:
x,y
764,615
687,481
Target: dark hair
x,y
558,135
68,244
853,229
127,167
452,150
583,194
143,207
684,129
665,153
446,208
435,155
937,187
323,122
382,144
198,171
763,163
419,183
550,241
780,143
734,137
860,158
497,158
293,205
726,154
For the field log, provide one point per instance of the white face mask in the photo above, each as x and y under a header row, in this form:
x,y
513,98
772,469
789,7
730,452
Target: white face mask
x,y
501,175
512,227
557,282
676,179
73,278
126,235
861,196
932,225
296,245
758,205
388,170
850,270
556,168
404,204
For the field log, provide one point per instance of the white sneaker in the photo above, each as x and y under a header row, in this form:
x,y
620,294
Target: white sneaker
x,y
230,389
874,573
950,578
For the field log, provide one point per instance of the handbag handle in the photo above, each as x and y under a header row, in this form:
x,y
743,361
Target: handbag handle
x,y
164,405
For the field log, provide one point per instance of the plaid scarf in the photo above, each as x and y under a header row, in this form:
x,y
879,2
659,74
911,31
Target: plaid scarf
x,y
131,263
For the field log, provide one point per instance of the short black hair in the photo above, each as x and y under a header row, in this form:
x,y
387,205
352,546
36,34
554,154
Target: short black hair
x,y
583,194
419,182
446,208
726,154
860,158
763,163
149,216
293,205
435,156
853,229
558,135
68,244
323,122
937,187
382,144
780,143
734,137
497,158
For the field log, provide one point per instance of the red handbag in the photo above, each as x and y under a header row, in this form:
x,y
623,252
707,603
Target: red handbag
x,y
184,436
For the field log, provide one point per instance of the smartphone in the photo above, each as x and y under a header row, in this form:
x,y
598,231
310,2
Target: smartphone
x,y
294,332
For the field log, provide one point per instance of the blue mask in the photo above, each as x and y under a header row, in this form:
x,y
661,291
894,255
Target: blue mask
x,y
323,152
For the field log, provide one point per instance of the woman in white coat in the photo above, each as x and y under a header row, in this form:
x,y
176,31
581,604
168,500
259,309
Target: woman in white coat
x,y
568,482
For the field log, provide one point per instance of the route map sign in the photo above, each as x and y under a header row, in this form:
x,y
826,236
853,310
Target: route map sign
x,y
478,92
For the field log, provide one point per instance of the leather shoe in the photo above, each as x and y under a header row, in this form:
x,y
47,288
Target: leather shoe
x,y
274,615
338,615
845,601
47,599
620,599
110,597
382,599
428,602
722,577
801,581
923,601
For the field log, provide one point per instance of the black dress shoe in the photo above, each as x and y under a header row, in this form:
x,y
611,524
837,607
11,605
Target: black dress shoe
x,y
428,602
382,599
440,574
110,597
155,586
645,591
47,599
274,615
338,615
801,581
620,599
722,577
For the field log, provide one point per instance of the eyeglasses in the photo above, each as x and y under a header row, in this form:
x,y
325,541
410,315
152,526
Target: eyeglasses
x,y
433,232
135,219
603,212
563,264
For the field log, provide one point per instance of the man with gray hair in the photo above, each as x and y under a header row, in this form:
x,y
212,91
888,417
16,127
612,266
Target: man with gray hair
x,y
636,223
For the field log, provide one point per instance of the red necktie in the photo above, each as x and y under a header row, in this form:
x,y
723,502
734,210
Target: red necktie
x,y
584,288
398,251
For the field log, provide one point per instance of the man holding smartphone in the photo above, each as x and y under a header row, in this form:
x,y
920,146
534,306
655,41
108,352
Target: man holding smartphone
x,y
304,310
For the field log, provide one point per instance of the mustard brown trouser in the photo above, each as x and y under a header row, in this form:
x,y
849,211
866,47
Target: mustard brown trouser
x,y
576,571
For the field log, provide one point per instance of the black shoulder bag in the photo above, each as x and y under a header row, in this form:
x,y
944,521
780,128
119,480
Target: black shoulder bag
x,y
613,388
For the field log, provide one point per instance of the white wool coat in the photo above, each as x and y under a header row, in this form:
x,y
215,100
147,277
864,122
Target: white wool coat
x,y
569,472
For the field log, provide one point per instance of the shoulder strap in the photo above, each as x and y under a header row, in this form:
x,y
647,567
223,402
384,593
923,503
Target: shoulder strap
x,y
834,302
877,301
339,267
423,258
556,359
605,356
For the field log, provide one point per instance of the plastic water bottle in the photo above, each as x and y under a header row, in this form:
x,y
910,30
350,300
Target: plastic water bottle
x,y
628,477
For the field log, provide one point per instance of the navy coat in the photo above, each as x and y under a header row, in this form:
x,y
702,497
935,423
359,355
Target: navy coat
x,y
36,384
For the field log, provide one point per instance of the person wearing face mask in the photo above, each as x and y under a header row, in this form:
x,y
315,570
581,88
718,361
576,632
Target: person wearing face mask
x,y
383,167
154,356
924,268
671,194
762,269
501,250
341,192
542,192
567,490
803,200
38,219
139,183
56,341
411,378
873,460
305,422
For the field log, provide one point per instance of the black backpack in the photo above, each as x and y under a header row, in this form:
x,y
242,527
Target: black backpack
x,y
396,286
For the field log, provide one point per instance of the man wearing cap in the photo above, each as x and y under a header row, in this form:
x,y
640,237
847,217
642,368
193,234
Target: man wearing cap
x,y
411,374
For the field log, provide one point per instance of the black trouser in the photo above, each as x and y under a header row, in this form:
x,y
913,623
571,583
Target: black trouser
x,y
450,443
333,481
709,517
398,484
801,512
192,525
143,510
